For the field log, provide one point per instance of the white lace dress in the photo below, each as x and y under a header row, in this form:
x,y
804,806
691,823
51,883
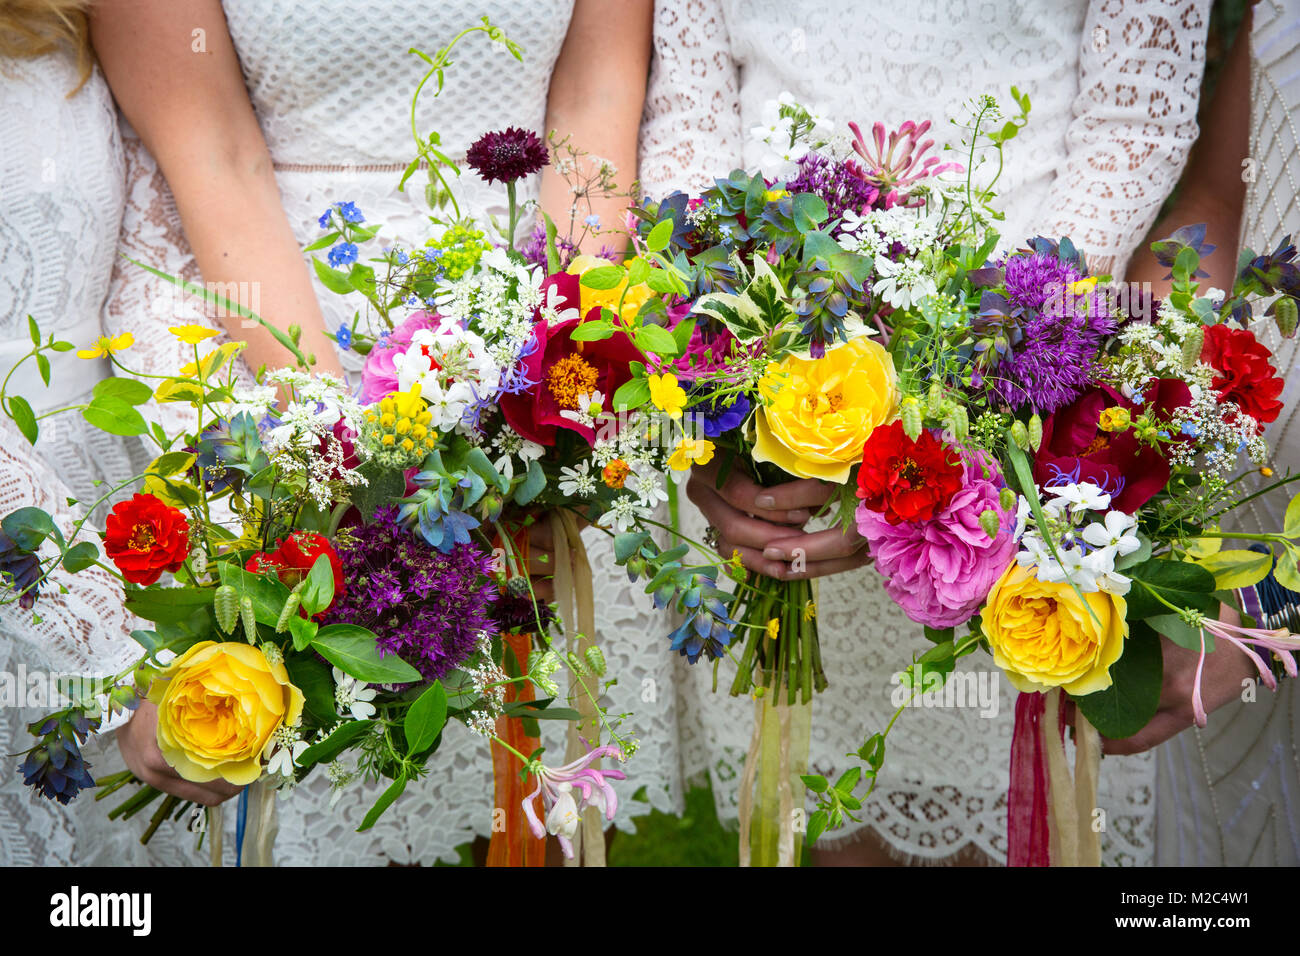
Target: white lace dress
x,y
1229,795
332,101
1114,87
61,178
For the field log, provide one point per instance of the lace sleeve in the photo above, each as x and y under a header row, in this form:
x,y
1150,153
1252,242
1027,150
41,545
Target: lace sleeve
x,y
80,624
1133,123
139,302
690,128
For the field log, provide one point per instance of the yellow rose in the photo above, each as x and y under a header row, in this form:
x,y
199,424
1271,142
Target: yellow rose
x,y
218,705
608,298
822,411
1042,635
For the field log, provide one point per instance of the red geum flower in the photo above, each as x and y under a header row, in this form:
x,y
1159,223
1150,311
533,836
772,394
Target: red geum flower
x,y
293,558
145,537
906,480
1245,376
565,370
1076,449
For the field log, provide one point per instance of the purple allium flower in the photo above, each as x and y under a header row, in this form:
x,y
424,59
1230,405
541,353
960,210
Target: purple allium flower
x,y
838,184
507,155
427,607
1061,332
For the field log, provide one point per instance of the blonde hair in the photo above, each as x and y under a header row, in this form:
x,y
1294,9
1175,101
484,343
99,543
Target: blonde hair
x,y
36,27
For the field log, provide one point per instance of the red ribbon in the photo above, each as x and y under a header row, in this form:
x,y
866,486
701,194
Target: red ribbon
x,y
1028,835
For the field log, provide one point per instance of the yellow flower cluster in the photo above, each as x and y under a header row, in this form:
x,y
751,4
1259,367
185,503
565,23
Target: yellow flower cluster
x,y
461,249
396,430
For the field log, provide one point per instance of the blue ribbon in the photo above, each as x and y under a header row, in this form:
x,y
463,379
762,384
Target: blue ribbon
x,y
241,821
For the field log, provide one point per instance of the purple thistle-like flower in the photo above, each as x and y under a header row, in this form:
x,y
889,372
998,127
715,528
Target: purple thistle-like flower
x,y
427,607
20,571
1060,335
506,155
840,185
534,249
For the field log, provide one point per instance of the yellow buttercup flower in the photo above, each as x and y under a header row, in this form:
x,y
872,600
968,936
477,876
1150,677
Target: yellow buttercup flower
x,y
666,394
690,451
773,628
636,296
821,411
1083,286
192,334
1114,419
218,707
1043,636
105,346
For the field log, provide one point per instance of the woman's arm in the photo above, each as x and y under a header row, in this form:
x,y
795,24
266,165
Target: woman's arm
x,y
174,73
597,91
1213,189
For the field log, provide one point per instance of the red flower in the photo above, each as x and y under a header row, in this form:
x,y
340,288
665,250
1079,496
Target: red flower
x,y
908,480
565,370
1075,449
145,537
292,560
1246,377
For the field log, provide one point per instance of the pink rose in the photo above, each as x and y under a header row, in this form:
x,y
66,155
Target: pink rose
x,y
378,375
940,571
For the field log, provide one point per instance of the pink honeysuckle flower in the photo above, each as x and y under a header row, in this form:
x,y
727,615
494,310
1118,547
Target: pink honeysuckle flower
x,y
896,162
1279,641
561,787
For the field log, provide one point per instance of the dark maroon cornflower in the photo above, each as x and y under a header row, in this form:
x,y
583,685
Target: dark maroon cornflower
x,y
514,609
840,185
427,607
507,155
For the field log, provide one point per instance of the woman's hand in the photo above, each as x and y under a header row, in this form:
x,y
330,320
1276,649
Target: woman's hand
x,y
1226,667
138,741
765,525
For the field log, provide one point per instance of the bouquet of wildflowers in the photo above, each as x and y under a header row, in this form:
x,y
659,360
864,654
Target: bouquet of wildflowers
x,y
1040,463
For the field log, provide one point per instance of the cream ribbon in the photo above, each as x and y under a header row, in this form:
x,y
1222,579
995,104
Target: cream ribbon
x,y
1075,841
576,601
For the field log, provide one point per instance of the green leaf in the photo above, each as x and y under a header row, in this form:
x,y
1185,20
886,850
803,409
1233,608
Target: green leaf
x,y
1180,583
1186,263
114,416
638,271
631,394
1287,573
532,485
382,486
168,605
302,631
21,412
660,236
628,543
682,333
1291,523
34,331
43,367
129,390
327,240
355,650
552,254
1180,632
80,556
316,682
809,211
814,783
178,637
425,719
1130,702
326,750
603,277
1237,569
817,824
592,331
656,339
62,346
318,591
332,279
28,527
383,803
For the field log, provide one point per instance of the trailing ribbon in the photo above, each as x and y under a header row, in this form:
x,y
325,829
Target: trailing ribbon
x,y
513,843
770,789
1050,813
214,834
255,826
576,600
